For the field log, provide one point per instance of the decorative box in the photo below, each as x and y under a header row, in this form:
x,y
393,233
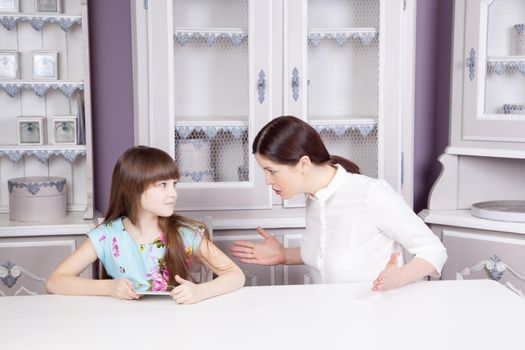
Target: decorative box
x,y
37,198
193,160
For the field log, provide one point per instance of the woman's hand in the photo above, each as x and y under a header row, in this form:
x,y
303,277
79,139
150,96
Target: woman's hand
x,y
186,292
122,288
270,252
391,277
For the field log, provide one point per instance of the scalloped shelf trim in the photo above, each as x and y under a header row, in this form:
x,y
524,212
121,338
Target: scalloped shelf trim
x,y
503,66
210,37
210,131
14,155
342,37
341,129
39,21
40,89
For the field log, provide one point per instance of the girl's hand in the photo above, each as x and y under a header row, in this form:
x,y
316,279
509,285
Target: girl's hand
x,y
270,252
122,288
391,277
186,292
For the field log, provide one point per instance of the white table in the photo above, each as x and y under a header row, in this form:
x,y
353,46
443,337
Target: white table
x,y
441,315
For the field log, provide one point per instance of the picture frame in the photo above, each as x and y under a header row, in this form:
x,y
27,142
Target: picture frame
x,y
9,64
31,130
9,6
63,130
45,65
48,6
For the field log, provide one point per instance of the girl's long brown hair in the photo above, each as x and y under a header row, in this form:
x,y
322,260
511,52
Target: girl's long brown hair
x,y
137,169
286,139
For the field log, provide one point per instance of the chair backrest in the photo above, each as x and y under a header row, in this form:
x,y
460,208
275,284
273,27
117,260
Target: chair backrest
x,y
10,273
495,268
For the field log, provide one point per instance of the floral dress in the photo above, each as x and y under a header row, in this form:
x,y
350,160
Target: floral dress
x,y
142,264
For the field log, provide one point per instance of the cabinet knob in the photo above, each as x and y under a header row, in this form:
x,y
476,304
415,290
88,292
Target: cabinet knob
x,y
471,64
261,86
295,83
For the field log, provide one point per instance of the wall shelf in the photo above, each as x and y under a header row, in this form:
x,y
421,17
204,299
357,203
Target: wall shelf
x,y
42,153
40,88
39,21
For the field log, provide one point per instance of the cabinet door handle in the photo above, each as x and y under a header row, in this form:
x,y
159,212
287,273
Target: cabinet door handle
x,y
295,84
471,64
261,86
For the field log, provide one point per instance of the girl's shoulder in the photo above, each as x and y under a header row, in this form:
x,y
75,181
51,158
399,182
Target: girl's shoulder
x,y
114,227
192,234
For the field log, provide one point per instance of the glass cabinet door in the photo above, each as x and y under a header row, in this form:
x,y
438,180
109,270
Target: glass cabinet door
x,y
343,77
211,74
494,71
217,97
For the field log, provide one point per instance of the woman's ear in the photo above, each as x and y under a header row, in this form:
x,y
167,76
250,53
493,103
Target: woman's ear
x,y
305,164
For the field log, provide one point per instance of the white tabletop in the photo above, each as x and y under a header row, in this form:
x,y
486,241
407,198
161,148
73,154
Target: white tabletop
x,y
479,314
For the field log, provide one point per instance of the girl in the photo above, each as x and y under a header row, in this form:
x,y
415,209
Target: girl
x,y
353,222
142,243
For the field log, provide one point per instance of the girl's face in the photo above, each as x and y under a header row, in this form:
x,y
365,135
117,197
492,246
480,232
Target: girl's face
x,y
159,198
286,180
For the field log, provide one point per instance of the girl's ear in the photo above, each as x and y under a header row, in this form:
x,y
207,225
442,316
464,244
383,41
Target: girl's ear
x,y
305,164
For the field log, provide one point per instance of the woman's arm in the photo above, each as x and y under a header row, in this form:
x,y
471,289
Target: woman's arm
x,y
270,252
393,277
64,279
396,219
230,277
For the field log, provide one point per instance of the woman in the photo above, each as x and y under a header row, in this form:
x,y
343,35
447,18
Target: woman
x,y
354,223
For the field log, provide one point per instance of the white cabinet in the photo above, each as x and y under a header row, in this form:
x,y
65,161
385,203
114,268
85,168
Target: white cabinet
x,y
30,251
65,36
486,157
209,74
488,98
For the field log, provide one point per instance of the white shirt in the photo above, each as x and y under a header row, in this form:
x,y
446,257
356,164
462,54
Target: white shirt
x,y
353,226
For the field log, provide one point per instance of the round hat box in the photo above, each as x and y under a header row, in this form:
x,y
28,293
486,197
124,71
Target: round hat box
x,y
37,198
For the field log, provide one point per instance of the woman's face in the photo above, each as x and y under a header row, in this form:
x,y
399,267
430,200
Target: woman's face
x,y
286,180
159,198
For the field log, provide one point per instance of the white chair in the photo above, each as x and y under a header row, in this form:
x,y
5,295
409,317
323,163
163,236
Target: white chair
x,y
495,268
9,275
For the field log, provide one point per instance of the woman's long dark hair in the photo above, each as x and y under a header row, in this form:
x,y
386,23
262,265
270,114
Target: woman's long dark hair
x,y
286,139
137,169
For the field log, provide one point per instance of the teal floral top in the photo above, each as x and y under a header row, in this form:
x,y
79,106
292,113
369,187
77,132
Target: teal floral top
x,y
142,264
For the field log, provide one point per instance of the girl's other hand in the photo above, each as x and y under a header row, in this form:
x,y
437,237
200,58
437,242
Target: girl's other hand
x,y
122,288
270,252
391,277
186,292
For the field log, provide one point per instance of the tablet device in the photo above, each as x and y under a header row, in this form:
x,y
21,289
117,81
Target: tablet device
x,y
146,290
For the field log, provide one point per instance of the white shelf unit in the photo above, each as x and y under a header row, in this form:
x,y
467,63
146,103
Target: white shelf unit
x,y
486,157
66,33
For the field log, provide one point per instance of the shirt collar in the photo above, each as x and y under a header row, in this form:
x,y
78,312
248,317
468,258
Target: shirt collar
x,y
324,193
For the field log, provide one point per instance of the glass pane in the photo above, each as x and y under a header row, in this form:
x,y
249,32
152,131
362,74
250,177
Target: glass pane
x,y
211,68
505,81
343,73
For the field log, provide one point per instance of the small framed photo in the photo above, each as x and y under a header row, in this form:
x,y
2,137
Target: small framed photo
x,y
31,130
9,6
9,64
48,6
63,130
45,65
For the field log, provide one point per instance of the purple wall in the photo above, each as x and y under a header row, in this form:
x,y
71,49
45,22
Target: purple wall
x,y
111,74
433,63
111,89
